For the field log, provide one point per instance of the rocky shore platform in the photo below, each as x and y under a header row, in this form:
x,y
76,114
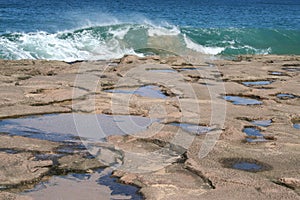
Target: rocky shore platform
x,y
198,128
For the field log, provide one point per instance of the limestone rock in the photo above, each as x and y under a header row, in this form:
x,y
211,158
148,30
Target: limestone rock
x,y
26,144
78,163
12,196
20,168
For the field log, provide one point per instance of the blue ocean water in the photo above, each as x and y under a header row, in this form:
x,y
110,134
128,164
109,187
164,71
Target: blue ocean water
x,y
99,29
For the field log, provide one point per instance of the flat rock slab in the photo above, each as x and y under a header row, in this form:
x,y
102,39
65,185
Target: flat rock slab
x,y
16,169
192,97
12,196
19,143
78,163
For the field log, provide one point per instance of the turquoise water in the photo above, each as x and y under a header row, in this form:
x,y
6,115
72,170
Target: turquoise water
x,y
90,30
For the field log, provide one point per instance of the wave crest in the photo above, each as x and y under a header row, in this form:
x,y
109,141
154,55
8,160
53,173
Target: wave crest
x,y
116,40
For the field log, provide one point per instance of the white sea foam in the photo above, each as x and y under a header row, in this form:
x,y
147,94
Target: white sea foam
x,y
83,46
250,49
107,42
257,51
119,33
162,31
202,49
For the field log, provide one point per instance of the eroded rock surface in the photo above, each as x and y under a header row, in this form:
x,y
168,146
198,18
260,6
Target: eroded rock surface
x,y
12,196
78,163
21,168
19,143
166,161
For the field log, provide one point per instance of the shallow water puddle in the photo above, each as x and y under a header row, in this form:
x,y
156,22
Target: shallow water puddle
x,y
296,123
256,139
151,91
236,100
247,166
285,96
256,83
276,73
120,91
72,147
70,129
9,151
98,185
73,127
297,126
192,128
263,123
251,131
188,69
254,135
119,190
162,70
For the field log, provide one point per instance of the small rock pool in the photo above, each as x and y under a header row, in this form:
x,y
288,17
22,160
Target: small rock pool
x,y
263,123
236,100
71,130
192,128
69,127
254,135
245,164
296,123
97,185
150,91
256,83
162,70
285,96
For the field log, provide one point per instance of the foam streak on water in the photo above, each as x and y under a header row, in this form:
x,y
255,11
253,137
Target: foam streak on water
x,y
202,49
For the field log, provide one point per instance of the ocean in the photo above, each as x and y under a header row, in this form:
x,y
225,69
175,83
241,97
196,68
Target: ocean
x,y
97,29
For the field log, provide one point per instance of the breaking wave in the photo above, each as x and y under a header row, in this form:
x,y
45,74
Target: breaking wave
x,y
114,41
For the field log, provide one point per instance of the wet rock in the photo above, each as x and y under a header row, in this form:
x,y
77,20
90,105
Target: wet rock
x,y
140,156
270,137
127,59
177,61
16,169
262,123
27,144
78,163
291,65
164,183
109,157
